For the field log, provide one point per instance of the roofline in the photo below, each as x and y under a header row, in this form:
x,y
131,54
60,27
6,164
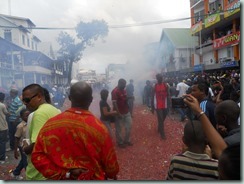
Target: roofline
x,y
20,18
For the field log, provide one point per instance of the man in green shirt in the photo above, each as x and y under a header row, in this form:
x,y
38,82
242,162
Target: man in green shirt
x,y
34,99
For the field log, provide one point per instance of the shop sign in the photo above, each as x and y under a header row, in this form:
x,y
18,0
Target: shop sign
x,y
198,68
196,28
212,19
229,64
232,8
227,40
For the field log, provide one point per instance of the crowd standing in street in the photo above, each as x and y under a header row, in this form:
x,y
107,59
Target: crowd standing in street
x,y
212,98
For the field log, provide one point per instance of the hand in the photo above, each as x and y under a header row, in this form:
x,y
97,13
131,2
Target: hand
x,y
222,130
208,151
75,173
192,103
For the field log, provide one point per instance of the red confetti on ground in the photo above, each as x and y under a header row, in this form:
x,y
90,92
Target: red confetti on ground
x,y
147,159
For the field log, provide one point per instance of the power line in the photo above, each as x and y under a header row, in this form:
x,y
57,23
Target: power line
x,y
117,26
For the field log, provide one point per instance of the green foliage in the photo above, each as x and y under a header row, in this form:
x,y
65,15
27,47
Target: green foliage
x,y
71,49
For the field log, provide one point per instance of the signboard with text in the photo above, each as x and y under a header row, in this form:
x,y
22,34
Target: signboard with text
x,y
232,8
229,39
229,64
196,28
212,19
198,68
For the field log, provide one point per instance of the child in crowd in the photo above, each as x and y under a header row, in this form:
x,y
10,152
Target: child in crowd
x,y
194,163
20,135
106,114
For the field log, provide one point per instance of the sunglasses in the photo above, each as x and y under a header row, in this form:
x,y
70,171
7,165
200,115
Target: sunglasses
x,y
27,100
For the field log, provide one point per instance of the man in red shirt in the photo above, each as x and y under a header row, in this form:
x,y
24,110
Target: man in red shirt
x,y
159,102
75,145
120,104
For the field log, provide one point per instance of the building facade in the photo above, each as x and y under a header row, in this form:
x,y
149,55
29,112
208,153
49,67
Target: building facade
x,y
21,58
216,23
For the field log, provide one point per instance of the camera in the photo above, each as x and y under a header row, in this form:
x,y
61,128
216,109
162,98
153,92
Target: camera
x,y
178,102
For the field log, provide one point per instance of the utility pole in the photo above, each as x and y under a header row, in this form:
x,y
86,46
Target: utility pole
x,y
9,7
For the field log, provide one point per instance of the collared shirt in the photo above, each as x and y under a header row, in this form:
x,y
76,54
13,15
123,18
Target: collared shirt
x,y
75,139
193,166
21,131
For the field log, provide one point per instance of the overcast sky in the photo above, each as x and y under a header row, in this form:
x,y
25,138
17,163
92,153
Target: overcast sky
x,y
121,45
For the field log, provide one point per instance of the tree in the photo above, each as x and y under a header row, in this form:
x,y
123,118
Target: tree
x,y
71,49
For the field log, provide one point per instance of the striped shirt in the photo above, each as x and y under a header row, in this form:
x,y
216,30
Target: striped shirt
x,y
14,109
193,166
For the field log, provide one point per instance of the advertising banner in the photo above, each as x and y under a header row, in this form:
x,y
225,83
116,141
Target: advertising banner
x,y
212,19
229,39
232,8
196,27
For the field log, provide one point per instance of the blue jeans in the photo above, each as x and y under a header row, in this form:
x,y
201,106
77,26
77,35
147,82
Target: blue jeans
x,y
11,131
3,141
107,124
182,113
22,163
126,122
131,105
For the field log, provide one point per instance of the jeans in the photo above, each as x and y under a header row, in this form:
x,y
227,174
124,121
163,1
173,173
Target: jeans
x,y
161,114
182,113
148,101
3,141
11,130
107,124
22,163
131,105
126,122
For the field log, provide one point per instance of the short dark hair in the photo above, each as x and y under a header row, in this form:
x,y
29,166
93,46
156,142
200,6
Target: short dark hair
x,y
34,87
229,162
203,87
104,93
2,96
194,134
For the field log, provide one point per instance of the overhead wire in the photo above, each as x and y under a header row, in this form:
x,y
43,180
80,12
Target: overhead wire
x,y
117,26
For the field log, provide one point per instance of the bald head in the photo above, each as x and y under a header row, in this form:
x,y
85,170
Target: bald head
x,y
80,95
227,112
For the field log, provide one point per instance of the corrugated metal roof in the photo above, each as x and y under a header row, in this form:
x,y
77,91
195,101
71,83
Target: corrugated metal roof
x,y
181,37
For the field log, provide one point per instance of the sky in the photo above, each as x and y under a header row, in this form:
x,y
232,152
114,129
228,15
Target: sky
x,y
122,44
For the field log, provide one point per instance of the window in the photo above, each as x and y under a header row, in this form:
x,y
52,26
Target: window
x,y
32,45
23,39
229,52
8,35
28,42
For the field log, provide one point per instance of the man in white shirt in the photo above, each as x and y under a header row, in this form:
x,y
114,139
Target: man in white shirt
x,y
181,89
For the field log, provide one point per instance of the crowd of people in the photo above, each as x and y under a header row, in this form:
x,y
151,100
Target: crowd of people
x,y
39,132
